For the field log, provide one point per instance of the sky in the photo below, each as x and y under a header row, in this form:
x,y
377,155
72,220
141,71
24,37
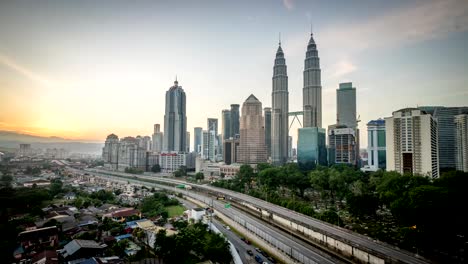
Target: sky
x,y
84,69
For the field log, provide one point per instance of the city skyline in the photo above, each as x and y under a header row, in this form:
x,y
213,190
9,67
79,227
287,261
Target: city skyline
x,y
73,80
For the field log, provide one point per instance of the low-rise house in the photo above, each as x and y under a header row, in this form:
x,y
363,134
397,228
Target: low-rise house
x,y
78,249
70,196
38,183
122,214
150,230
197,214
45,257
38,239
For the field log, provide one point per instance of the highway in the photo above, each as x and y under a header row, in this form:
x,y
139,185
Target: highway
x,y
290,245
352,238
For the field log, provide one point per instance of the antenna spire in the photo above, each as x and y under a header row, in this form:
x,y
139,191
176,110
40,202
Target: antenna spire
x,y
279,38
311,28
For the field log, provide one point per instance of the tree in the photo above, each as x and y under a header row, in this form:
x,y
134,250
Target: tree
x,y
245,175
156,168
199,176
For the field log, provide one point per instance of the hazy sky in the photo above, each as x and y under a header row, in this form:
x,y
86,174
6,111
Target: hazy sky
x,y
85,69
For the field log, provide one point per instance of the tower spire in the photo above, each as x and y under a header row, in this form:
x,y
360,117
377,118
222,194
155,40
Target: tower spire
x,y
279,38
311,28
176,82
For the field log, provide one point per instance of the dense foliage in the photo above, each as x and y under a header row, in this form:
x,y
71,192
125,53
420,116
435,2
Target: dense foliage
x,y
192,244
414,212
156,204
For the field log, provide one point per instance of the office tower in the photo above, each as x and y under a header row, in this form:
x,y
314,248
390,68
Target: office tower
x,y
209,145
219,147
126,155
25,150
461,142
172,161
175,119
376,149
290,139
234,119
188,142
346,105
311,147
445,117
197,139
279,110
213,125
267,114
157,139
411,139
343,147
110,152
312,91
230,147
147,143
252,149
226,124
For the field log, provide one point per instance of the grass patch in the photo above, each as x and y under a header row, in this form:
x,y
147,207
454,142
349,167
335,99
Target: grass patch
x,y
175,210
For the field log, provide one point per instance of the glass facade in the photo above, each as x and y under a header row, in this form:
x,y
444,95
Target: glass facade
x,y
311,148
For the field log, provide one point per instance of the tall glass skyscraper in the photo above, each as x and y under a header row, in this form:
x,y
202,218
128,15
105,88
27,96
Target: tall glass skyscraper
x,y
312,91
445,117
376,148
267,114
235,120
226,114
311,147
197,139
175,119
279,111
346,105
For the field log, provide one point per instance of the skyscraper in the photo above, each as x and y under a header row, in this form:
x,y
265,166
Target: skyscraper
x,y
234,120
226,124
208,145
158,138
346,105
411,139
175,119
213,125
312,91
252,149
280,108
445,117
188,142
197,139
461,142
267,115
110,152
311,147
343,146
376,147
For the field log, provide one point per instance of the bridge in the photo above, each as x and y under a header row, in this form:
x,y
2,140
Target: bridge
x,y
349,245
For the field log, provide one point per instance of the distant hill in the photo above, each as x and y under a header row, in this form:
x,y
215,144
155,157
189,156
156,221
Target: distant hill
x,y
10,139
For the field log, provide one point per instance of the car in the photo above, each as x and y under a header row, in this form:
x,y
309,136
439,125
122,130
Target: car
x,y
228,228
245,240
259,250
250,252
258,259
272,260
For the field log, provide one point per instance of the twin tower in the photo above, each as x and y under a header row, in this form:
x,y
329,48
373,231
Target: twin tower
x,y
311,100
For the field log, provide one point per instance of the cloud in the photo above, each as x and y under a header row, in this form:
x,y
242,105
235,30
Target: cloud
x,y
24,71
425,21
289,4
341,68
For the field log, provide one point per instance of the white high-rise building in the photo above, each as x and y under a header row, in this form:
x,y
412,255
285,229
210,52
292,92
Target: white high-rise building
x,y
461,142
279,110
158,138
209,145
312,91
110,152
411,141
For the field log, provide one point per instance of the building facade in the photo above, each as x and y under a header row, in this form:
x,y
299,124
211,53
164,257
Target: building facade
x,y
226,121
252,149
235,119
110,152
175,120
230,150
188,142
445,117
157,139
197,139
411,141
346,105
267,125
172,161
312,91
311,147
279,110
209,145
343,148
376,147
461,142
